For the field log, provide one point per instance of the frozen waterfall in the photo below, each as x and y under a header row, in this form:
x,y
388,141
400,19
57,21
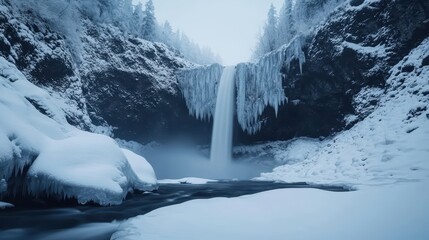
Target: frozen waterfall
x,y
259,85
199,88
221,146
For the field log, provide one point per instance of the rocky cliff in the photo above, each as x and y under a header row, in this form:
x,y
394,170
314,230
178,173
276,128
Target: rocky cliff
x,y
348,59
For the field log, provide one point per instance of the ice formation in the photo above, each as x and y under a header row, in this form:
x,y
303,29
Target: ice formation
x,y
258,85
199,88
53,158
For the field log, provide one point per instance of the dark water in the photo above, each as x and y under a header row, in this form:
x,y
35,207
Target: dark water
x,y
39,220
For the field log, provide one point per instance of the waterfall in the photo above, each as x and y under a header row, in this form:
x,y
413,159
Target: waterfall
x,y
221,147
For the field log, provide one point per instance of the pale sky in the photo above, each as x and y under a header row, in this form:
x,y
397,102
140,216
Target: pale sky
x,y
229,27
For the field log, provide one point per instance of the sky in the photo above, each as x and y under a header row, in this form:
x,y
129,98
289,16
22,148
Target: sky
x,y
229,27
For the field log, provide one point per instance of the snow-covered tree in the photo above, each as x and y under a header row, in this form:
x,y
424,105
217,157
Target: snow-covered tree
x,y
149,27
286,25
296,17
268,40
65,16
137,19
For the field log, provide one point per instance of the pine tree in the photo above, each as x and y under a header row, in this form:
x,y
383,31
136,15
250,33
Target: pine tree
x,y
268,40
137,20
149,27
286,26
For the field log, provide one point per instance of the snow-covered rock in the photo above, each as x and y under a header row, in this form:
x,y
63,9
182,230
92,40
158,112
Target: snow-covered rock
x,y
53,158
95,71
351,48
389,145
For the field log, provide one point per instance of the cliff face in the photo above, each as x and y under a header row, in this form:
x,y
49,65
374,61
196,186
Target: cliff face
x,y
127,86
348,59
113,84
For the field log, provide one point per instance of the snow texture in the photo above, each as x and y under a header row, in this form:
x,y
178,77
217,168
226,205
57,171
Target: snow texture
x,y
392,212
62,161
389,145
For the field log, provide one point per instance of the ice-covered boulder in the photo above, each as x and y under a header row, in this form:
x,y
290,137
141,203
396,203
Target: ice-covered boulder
x,y
48,157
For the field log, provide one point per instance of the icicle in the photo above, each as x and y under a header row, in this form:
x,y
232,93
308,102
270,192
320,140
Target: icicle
x,y
260,85
199,88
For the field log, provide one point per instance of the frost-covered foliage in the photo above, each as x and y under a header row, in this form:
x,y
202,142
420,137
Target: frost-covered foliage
x,y
294,18
260,85
65,17
54,158
199,87
267,40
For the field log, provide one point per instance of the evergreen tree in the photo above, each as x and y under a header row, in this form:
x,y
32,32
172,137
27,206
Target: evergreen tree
x,y
268,40
149,28
286,26
137,19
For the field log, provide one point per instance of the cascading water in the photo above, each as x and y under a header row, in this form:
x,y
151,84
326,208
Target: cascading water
x,y
221,147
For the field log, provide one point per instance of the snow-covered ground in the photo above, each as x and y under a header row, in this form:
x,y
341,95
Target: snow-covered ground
x,y
61,160
389,212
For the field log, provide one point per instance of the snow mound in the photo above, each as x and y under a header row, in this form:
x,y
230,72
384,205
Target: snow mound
x,y
54,158
389,145
393,212
4,205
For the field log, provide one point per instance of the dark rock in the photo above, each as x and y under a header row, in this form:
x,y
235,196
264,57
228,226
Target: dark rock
x,y
356,3
51,70
408,68
425,61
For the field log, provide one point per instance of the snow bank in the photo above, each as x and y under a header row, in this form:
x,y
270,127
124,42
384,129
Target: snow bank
x,y
143,170
389,145
392,212
61,160
4,205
